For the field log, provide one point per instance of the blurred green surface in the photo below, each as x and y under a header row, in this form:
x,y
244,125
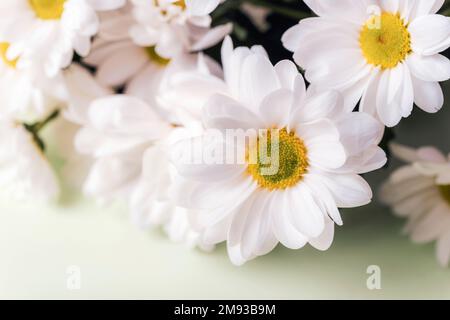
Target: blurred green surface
x,y
38,244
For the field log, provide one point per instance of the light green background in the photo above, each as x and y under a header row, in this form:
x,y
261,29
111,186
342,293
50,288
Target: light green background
x,y
39,243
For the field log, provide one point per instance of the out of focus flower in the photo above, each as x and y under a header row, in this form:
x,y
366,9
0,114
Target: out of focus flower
x,y
384,53
321,150
48,32
420,192
128,142
27,94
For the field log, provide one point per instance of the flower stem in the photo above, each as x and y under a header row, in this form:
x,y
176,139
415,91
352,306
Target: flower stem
x,y
35,128
38,126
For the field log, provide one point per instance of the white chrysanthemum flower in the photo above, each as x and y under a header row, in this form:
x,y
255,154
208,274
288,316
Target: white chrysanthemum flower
x,y
25,172
27,94
128,142
175,26
48,31
322,149
384,53
420,192
142,72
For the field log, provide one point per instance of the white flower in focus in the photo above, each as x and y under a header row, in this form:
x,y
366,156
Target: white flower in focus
x,y
420,192
49,31
128,142
322,149
383,53
175,26
27,94
25,172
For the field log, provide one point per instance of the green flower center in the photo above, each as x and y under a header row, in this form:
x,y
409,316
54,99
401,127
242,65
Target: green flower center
x,y
281,159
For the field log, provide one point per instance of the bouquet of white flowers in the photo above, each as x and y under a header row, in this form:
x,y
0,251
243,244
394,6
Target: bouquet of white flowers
x,y
220,125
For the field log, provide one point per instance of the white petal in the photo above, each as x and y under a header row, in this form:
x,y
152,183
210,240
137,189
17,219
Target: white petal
x,y
429,68
430,34
428,96
276,108
324,241
348,190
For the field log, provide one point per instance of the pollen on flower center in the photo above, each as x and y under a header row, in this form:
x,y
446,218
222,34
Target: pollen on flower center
x,y
179,3
3,49
385,41
445,192
155,57
48,9
279,159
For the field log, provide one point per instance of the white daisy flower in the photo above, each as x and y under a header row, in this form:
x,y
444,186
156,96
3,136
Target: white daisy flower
x,y
142,72
322,149
26,94
174,26
25,173
48,31
128,143
420,192
383,53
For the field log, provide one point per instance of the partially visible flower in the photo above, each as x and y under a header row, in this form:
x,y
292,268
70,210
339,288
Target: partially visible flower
x,y
322,149
129,144
25,172
383,53
171,27
48,32
420,192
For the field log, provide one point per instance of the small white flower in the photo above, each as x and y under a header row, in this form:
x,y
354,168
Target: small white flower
x,y
420,192
175,26
48,31
25,173
322,149
128,142
384,53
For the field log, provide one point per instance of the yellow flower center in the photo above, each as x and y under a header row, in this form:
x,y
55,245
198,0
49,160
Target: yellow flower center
x,y
48,9
445,192
155,57
3,49
180,3
385,40
278,160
